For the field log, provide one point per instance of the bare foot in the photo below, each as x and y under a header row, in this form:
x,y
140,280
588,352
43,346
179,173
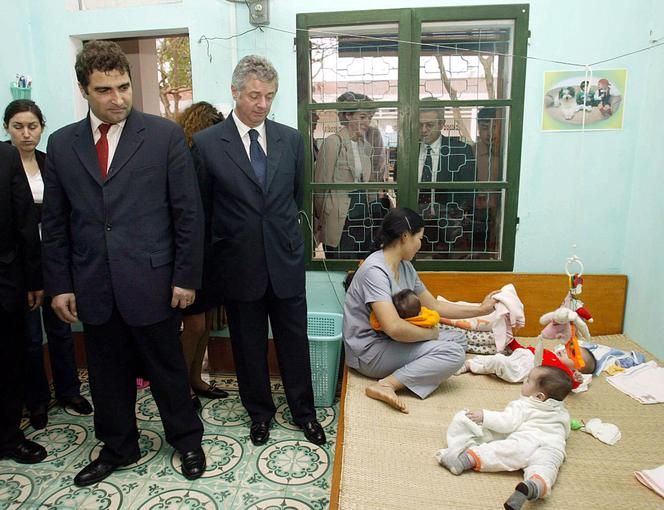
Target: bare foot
x,y
386,393
464,368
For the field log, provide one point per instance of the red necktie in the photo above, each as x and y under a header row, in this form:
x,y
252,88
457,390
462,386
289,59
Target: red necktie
x,y
102,149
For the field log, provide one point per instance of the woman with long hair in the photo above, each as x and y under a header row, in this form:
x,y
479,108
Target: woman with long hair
x,y
197,318
402,355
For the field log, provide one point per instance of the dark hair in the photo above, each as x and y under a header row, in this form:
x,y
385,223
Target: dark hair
x,y
440,112
23,105
349,97
554,382
198,116
487,114
397,222
407,303
591,362
101,56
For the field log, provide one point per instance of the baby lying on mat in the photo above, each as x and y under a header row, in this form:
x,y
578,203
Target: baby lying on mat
x,y
530,434
409,308
515,367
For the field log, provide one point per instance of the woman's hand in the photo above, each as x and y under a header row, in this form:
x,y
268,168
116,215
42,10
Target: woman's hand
x,y
488,303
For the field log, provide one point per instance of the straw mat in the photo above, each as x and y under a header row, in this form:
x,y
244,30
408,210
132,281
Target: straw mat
x,y
388,457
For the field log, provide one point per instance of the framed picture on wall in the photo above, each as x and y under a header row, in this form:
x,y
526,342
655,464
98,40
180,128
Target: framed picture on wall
x,y
576,100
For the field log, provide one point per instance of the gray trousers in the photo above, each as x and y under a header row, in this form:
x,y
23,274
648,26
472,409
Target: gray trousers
x,y
420,366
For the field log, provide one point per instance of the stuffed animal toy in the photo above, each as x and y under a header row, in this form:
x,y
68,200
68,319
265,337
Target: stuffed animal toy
x,y
603,97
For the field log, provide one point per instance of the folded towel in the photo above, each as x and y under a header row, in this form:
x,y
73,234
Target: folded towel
x,y
652,478
644,382
426,319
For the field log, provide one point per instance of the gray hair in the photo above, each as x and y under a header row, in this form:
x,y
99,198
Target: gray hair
x,y
440,112
254,66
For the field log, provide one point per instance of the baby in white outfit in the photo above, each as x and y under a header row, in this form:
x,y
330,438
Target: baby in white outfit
x,y
530,434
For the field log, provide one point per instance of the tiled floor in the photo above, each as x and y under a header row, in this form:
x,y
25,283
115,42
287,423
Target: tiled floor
x,y
287,473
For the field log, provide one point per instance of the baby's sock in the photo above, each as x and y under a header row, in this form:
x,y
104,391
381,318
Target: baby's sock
x,y
528,489
457,463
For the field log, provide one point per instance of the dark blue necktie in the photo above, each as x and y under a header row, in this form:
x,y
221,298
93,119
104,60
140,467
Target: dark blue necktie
x,y
258,158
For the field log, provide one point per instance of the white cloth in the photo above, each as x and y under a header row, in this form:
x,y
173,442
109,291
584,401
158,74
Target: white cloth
x,y
243,130
113,135
529,434
644,382
606,432
508,314
652,478
36,187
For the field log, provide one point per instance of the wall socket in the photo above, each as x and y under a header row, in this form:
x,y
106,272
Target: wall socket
x,y
259,12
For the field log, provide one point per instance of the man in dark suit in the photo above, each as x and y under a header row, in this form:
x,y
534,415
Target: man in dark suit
x,y
251,173
445,212
20,277
122,237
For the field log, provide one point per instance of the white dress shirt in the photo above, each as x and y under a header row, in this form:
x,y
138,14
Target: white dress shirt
x,y
113,135
435,158
243,129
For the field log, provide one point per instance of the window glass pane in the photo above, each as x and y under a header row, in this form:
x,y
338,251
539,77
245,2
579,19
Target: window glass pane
x,y
465,224
359,58
354,145
466,60
462,144
346,221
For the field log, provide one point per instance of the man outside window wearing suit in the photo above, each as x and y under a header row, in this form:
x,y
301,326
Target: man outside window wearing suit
x,y
443,159
251,175
122,238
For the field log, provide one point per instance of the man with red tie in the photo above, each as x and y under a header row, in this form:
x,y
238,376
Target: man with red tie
x,y
122,242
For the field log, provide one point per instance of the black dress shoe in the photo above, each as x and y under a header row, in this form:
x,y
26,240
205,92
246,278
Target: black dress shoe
x,y
98,470
78,403
193,464
196,402
259,432
39,416
211,392
314,432
26,452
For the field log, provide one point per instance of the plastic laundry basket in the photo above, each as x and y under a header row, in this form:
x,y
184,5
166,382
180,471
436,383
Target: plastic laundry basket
x,y
324,331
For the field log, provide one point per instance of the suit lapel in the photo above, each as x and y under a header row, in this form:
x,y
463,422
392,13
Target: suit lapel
x,y
130,140
235,149
84,147
274,148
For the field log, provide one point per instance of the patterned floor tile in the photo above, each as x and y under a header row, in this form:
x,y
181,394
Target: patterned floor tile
x,y
286,473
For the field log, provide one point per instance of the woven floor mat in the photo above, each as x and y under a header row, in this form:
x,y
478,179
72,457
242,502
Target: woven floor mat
x,y
388,457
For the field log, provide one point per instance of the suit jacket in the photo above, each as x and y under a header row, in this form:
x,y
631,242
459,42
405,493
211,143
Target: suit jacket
x,y
127,239
456,162
20,252
255,235
336,163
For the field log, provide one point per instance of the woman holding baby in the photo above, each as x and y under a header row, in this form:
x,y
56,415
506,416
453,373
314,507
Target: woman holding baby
x,y
401,355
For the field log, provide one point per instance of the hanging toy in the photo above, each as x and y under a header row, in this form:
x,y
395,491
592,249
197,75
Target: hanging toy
x,y
567,323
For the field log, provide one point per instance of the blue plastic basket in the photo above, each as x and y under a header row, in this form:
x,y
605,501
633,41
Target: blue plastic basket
x,y
20,92
324,331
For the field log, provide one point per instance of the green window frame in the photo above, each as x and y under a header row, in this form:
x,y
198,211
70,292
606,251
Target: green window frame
x,y
408,105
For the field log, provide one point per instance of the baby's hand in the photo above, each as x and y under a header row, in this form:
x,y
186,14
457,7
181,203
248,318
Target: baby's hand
x,y
476,416
578,376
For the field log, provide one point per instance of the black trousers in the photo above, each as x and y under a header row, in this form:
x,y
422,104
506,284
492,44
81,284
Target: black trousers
x,y
12,363
116,352
248,324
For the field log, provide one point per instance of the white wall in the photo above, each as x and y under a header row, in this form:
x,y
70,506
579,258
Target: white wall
x,y
599,191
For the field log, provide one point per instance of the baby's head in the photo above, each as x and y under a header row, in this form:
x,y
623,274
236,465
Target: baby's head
x,y
588,358
546,382
407,303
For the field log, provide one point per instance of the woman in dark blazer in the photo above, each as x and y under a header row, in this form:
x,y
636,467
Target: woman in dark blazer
x,y
24,122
